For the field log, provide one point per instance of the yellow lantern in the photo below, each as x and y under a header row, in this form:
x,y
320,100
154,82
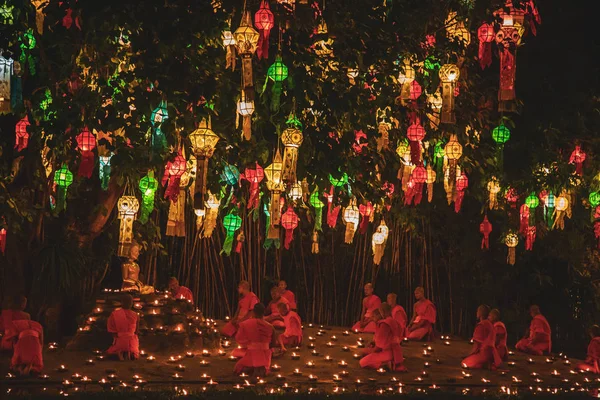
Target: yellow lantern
x,y
493,188
378,242
127,207
204,142
274,176
291,138
351,218
511,241
323,47
211,214
430,180
453,151
245,108
229,43
405,77
562,204
296,191
246,42
449,74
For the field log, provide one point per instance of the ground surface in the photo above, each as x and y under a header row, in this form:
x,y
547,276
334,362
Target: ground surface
x,y
444,369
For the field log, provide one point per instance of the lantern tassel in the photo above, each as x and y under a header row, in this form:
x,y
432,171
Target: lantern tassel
x,y
61,199
524,219
530,238
210,221
507,75
228,244
315,242
511,259
429,192
247,127
289,236
86,166
230,58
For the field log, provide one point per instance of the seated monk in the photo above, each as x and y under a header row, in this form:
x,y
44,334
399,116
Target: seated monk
x,y
371,348
131,273
13,312
423,320
28,339
398,313
272,312
292,336
123,324
387,344
593,353
501,334
256,336
539,340
288,295
484,352
371,302
180,292
244,311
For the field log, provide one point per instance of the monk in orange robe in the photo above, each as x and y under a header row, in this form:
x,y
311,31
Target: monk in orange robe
x,y
501,334
28,339
484,352
387,351
180,292
256,336
398,313
539,340
292,336
123,324
593,353
14,312
288,295
370,303
272,311
424,317
244,311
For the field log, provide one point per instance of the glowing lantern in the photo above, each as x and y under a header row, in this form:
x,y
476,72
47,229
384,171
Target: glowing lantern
x,y
86,142
277,72
351,217
127,206
378,242
453,151
435,104
246,38
63,178
291,138
405,77
366,215
501,135
295,192
578,156
289,221
430,180
318,205
415,134
493,188
462,182
485,228
174,170
230,175
254,176
229,43
512,197
6,14
332,212
159,114
562,204
532,202
264,22
231,223
594,199
511,240
449,74
486,36
418,178
549,201
6,71
148,186
211,214
21,134
104,171
273,173
245,108
384,125
204,142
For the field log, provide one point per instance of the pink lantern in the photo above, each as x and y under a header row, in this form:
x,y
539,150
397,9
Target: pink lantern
x,y
289,221
254,176
578,156
173,173
485,228
21,134
415,134
264,22
366,211
462,182
86,143
486,36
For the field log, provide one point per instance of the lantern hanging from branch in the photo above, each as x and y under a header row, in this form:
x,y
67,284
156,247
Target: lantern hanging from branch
x,y
229,44
511,240
86,143
264,22
532,202
211,214
21,134
435,108
562,204
486,36
383,119
524,219
405,77
577,157
318,205
277,72
291,138
204,141
245,108
462,182
254,176
295,192
367,212
6,72
351,217
157,117
378,242
63,178
148,186
289,221
449,74
174,170
246,38
493,188
275,184
431,177
176,215
501,135
485,228
415,134
414,194
127,206
104,171
231,223
549,201
332,212
2,240
453,151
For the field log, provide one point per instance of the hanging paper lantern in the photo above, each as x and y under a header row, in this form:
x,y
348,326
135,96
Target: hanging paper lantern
x,y
453,151
86,142
264,22
289,221
148,186
174,170
230,175
277,72
485,228
578,156
159,114
2,240
486,36
204,142
295,192
246,38
245,108
366,215
415,90
351,217
274,176
418,178
430,180
449,74
532,202
378,242
501,135
332,212
405,77
315,243
211,214
512,197
493,188
318,205
462,182
435,105
254,176
383,118
415,134
291,138
127,206
562,204
549,201
231,223
63,178
21,134
594,199
104,171
511,241
229,43
6,72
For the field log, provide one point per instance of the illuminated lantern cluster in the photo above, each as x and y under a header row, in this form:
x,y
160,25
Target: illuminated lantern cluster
x,y
174,170
204,142
86,143
264,22
351,218
127,207
378,242
231,223
289,222
291,138
63,178
148,186
21,134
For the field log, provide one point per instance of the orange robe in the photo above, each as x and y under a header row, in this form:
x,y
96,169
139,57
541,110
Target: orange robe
x,y
245,306
255,336
28,348
292,336
399,315
485,354
425,311
501,337
539,340
6,325
370,304
593,357
291,298
185,294
274,312
123,323
387,346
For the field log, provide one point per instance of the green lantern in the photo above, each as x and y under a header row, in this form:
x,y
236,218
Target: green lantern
x,y
549,205
231,223
148,186
230,175
316,202
338,182
63,178
158,116
594,199
277,72
438,159
501,135
532,202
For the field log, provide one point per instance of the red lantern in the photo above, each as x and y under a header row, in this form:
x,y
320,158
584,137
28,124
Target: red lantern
x,y
485,228
530,237
366,211
289,221
578,156
22,136
415,90
486,36
332,212
524,219
264,22
462,182
86,143
254,176
415,134
173,172
512,197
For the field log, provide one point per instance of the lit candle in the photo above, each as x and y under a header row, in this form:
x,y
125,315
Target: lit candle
x,y
295,356
511,363
342,363
426,365
312,378
310,364
424,374
381,371
549,361
328,358
567,362
336,378
426,354
346,333
275,367
360,345
315,353
44,377
447,343
329,344
310,325
344,373
205,353
89,362
466,375
76,377
226,344
297,372
189,354
180,367
555,373
143,353
212,383
345,348
151,358
320,333
62,368
311,339
334,338
204,377
280,377
221,352
356,356
530,361
311,345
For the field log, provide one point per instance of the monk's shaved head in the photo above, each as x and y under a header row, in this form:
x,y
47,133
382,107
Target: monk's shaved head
x,y
494,315
127,302
419,293
283,308
243,287
259,310
173,280
420,289
368,289
595,331
534,309
282,284
19,303
483,311
385,310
